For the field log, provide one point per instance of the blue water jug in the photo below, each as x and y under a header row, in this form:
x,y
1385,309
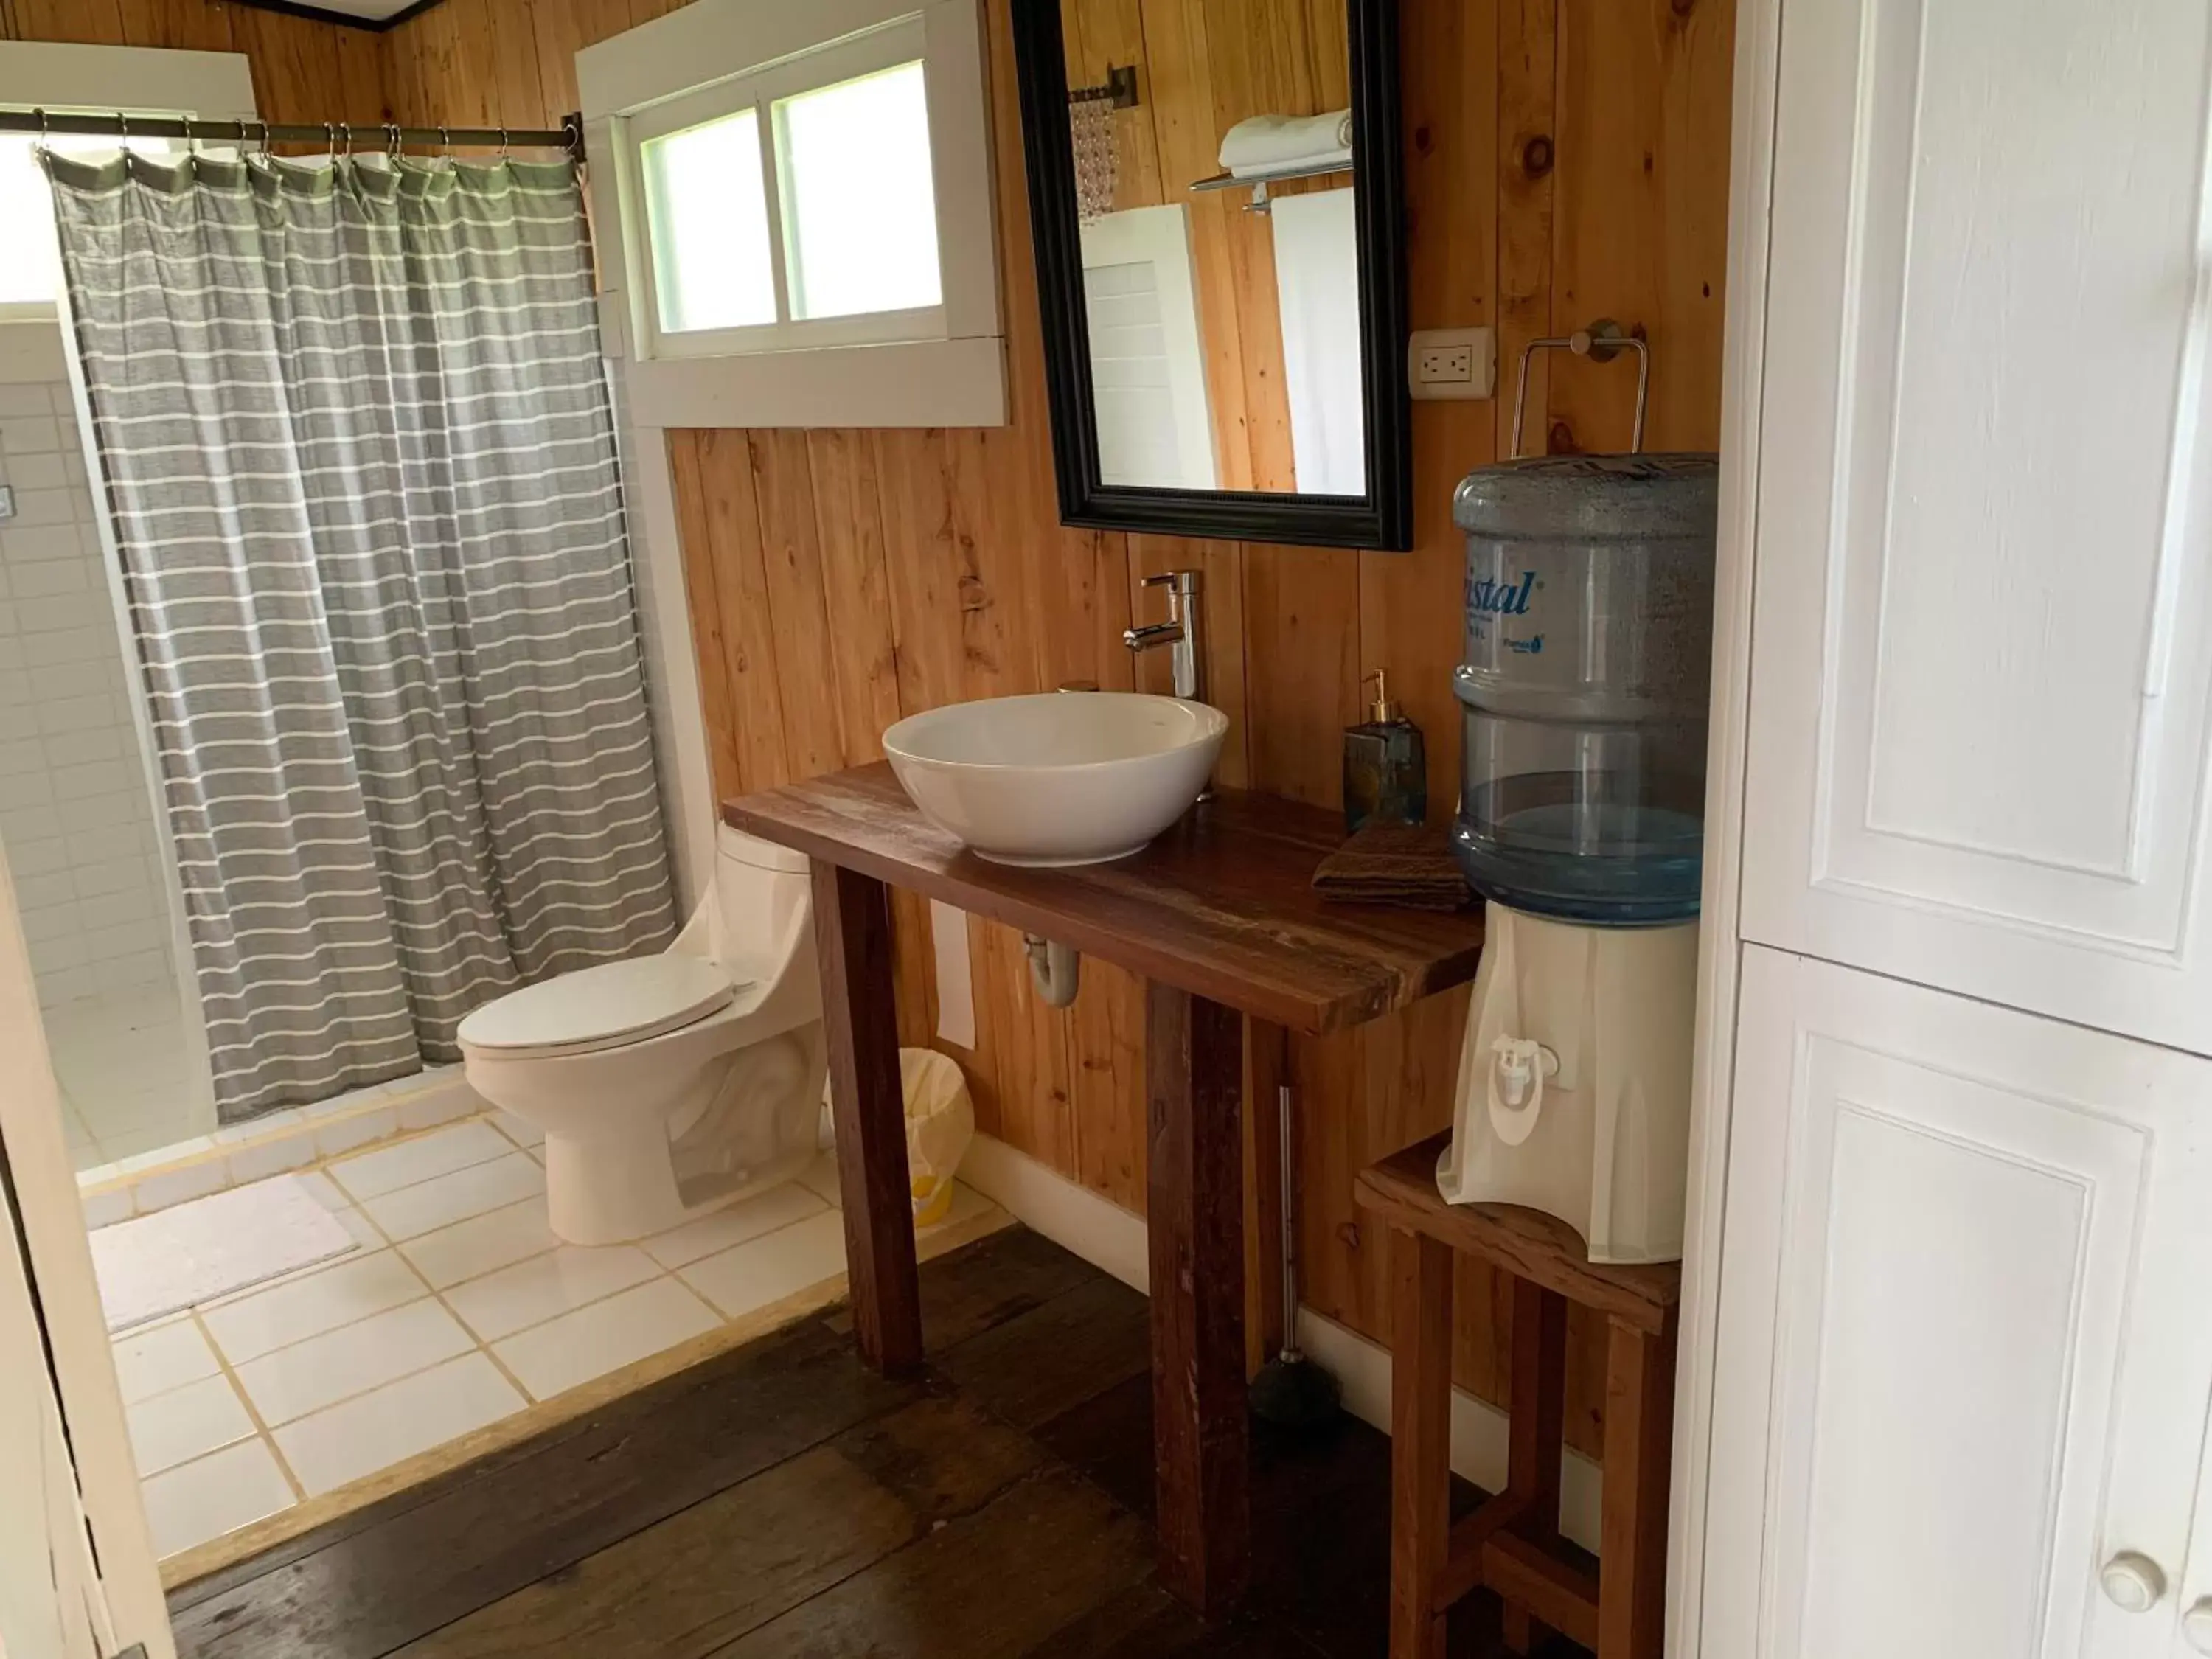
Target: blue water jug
x,y
1585,683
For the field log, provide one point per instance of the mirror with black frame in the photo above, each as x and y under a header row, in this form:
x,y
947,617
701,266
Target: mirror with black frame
x,y
1215,197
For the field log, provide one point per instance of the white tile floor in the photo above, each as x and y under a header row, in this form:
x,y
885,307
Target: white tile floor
x,y
463,1309
118,1059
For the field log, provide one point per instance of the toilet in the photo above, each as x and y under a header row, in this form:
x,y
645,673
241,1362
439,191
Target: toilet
x,y
670,1085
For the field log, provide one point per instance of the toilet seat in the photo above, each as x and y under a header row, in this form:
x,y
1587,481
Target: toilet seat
x,y
608,1007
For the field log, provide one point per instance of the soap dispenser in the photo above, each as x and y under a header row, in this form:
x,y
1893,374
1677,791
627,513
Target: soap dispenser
x,y
1386,765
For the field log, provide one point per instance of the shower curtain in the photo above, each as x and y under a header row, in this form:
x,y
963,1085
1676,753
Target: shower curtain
x,y
359,454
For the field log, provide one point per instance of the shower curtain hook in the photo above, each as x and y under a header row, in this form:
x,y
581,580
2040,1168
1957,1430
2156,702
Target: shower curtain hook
x,y
445,142
346,127
330,135
44,133
123,139
397,144
191,144
502,143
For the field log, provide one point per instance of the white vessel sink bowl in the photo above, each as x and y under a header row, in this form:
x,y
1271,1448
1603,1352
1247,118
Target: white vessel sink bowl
x,y
1068,777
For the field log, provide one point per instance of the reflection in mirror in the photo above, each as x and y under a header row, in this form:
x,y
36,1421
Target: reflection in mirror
x,y
1220,268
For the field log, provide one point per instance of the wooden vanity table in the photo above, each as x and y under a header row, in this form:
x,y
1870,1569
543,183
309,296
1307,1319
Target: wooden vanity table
x,y
1220,918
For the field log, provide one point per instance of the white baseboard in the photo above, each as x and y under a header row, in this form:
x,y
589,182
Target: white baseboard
x,y
1070,1214
1112,1239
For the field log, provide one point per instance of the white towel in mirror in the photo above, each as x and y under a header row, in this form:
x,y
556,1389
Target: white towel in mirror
x,y
1269,143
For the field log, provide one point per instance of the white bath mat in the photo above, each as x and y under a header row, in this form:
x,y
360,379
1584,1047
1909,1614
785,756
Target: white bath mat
x,y
192,1253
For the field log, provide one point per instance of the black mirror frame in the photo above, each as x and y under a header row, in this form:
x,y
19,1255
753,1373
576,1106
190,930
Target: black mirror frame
x,y
1381,519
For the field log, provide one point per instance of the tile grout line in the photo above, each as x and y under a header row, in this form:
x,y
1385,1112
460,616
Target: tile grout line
x,y
372,1098
400,1256
453,1314
327,1166
265,1432
261,1428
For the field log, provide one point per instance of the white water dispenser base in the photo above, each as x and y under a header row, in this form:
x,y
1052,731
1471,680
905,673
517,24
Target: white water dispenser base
x,y
1574,1082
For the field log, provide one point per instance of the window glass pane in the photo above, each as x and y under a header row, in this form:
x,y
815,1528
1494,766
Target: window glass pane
x,y
859,214
30,259
706,211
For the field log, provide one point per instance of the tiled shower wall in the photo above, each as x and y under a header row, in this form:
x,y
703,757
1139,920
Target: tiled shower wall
x,y
76,816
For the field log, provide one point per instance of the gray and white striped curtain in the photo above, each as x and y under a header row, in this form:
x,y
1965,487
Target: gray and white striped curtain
x,y
359,454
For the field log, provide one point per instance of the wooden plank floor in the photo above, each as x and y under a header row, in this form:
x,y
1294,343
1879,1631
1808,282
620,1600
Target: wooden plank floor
x,y
779,1500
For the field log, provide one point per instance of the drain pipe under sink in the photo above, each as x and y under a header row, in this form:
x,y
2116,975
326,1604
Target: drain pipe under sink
x,y
1057,969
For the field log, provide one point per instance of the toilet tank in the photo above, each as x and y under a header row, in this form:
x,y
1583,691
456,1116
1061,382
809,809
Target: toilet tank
x,y
763,895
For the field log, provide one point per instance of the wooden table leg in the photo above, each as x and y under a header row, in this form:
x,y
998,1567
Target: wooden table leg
x,y
1538,1398
1639,1428
1266,1069
853,940
1420,1440
1193,1079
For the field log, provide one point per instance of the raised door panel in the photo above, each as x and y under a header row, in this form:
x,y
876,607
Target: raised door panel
x,y
1966,1350
1979,729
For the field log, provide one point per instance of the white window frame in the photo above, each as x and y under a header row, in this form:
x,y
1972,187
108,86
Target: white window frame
x,y
933,366
208,85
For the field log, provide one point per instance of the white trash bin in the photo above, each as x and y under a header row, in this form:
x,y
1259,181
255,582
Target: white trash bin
x,y
1574,1081
940,1121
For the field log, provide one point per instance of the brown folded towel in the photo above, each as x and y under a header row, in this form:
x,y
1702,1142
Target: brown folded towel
x,y
1408,866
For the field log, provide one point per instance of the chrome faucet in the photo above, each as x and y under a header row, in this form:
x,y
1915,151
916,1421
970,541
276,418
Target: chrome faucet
x,y
1181,632
1184,636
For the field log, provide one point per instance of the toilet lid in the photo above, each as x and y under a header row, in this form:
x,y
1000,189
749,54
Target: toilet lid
x,y
631,1000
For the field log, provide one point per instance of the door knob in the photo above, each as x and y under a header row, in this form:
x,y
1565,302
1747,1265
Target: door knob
x,y
2133,1583
2196,1625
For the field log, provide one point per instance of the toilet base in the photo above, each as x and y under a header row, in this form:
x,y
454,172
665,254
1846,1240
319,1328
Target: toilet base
x,y
612,1189
632,1149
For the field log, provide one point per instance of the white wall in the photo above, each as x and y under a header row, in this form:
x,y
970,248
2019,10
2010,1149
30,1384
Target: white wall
x,y
74,813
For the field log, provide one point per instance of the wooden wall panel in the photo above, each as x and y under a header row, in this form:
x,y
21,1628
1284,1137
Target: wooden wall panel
x,y
1565,158
303,70
1640,215
185,25
855,589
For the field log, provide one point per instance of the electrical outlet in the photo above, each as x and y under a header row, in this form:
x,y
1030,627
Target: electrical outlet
x,y
1442,364
1451,363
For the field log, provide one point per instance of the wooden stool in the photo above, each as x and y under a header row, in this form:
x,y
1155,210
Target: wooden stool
x,y
1512,1543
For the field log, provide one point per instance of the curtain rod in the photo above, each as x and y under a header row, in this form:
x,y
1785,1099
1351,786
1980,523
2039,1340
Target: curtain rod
x,y
338,135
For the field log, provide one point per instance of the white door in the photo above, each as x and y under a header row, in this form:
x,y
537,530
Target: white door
x,y
1147,355
1982,642
50,1600
1964,1333
78,1578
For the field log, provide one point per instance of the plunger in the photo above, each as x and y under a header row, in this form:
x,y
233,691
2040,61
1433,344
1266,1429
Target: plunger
x,y
1291,1391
